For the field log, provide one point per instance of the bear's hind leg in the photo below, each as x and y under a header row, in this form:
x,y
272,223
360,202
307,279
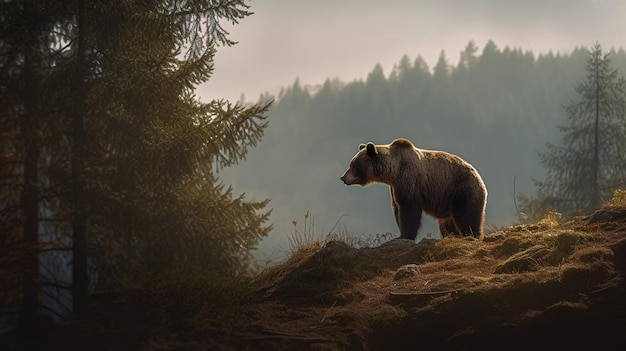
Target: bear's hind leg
x,y
448,227
469,221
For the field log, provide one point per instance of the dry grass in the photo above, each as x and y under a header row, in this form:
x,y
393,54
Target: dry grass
x,y
619,198
550,219
562,284
303,236
455,296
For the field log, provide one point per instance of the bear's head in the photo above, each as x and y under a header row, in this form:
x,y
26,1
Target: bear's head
x,y
377,163
363,166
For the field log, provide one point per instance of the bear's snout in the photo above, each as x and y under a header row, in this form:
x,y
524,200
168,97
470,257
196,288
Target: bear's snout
x,y
348,179
343,179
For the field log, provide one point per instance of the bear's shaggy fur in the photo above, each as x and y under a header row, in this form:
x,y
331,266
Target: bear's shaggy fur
x,y
442,185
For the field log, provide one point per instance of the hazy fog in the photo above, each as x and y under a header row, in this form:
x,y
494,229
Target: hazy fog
x,y
315,40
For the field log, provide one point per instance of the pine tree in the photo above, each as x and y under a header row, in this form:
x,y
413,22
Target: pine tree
x,y
468,58
441,71
592,161
149,140
125,156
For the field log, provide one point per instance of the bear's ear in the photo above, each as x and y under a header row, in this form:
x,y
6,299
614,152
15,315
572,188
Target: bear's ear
x,y
361,146
371,150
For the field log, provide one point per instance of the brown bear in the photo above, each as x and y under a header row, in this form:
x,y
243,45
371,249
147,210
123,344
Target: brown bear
x,y
441,184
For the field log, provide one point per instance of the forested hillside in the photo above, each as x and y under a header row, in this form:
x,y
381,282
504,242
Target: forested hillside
x,y
496,108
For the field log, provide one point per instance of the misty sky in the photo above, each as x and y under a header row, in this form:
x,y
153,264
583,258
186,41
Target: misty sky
x,y
317,39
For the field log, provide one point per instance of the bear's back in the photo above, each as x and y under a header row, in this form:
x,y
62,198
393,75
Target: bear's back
x,y
444,171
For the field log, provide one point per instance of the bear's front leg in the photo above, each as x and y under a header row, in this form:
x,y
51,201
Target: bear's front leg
x,y
394,208
410,218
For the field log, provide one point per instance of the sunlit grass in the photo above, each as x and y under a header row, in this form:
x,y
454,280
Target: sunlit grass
x,y
619,198
550,219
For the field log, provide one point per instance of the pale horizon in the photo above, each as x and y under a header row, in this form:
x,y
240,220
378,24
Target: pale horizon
x,y
313,41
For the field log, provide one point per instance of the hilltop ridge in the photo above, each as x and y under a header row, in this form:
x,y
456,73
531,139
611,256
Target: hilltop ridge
x,y
542,286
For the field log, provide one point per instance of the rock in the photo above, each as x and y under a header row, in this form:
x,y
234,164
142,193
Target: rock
x,y
338,250
406,271
398,242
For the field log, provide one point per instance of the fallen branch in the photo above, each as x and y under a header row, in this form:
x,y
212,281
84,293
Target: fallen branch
x,y
428,293
281,335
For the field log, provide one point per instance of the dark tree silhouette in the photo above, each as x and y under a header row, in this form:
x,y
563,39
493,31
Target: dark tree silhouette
x,y
103,139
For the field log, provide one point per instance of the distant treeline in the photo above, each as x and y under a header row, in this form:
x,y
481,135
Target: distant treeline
x,y
495,107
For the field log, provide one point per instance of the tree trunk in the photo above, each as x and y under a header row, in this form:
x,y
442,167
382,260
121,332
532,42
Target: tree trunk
x,y
595,182
30,191
80,280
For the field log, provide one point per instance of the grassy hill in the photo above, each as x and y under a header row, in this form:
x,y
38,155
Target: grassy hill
x,y
542,286
527,287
